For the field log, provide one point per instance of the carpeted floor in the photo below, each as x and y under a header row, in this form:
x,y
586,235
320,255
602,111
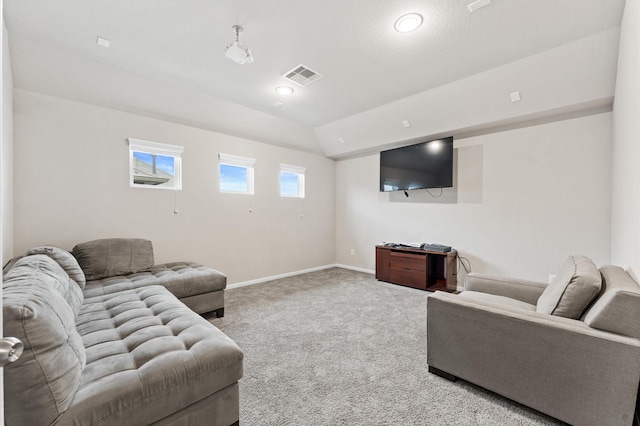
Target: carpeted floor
x,y
338,347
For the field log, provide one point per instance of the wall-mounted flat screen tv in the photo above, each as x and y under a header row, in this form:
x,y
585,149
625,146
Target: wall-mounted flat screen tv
x,y
423,165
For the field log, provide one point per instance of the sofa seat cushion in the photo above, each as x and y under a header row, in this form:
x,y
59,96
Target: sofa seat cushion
x,y
148,356
41,384
110,257
183,279
492,299
575,286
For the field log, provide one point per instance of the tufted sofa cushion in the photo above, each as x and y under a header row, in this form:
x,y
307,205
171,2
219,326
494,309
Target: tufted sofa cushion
x,y
43,270
183,279
114,256
148,356
64,259
42,383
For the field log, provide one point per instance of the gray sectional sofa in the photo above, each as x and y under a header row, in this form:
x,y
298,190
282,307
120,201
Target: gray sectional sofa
x,y
570,349
117,264
118,348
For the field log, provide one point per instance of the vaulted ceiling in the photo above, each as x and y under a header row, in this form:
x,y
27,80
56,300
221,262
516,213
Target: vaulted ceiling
x,y
167,58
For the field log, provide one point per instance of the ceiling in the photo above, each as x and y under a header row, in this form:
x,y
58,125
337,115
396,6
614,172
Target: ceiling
x,y
166,57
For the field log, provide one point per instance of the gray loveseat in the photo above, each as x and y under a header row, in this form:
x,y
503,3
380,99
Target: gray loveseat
x,y
101,352
570,349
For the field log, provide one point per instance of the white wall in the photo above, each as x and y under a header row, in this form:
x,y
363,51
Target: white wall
x,y
72,185
525,200
6,151
625,225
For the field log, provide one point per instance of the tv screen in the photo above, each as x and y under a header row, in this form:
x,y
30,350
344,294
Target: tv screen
x,y
423,165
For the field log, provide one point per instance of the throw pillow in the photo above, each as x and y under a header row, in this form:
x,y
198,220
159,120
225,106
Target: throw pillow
x,y
576,285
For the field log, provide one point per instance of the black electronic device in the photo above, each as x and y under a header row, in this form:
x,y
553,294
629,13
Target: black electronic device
x,y
436,247
423,165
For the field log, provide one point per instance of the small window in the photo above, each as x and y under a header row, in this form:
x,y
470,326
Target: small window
x,y
236,174
155,165
292,181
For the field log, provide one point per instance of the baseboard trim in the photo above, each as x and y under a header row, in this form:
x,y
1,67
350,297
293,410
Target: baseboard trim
x,y
355,268
294,273
279,276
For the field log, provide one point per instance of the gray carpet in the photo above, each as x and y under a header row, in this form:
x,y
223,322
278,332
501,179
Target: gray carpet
x,y
338,347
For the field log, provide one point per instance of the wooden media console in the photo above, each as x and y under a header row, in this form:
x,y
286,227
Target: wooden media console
x,y
426,270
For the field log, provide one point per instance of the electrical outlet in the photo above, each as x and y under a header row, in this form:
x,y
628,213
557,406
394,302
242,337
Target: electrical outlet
x,y
551,277
353,252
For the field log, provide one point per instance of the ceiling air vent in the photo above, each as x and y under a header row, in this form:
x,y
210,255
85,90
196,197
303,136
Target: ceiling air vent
x,y
302,75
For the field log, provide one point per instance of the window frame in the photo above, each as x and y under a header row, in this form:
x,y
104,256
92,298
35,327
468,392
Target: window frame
x,y
156,148
295,170
238,161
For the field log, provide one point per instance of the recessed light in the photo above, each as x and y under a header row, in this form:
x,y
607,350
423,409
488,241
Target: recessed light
x,y
409,22
284,90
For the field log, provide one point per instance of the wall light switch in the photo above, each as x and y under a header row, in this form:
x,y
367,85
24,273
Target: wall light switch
x,y
103,42
478,4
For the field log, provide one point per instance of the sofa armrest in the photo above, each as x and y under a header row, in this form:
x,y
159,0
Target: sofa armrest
x,y
555,365
515,288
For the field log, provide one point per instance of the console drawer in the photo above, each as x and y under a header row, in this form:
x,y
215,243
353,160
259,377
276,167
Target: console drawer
x,y
408,277
416,262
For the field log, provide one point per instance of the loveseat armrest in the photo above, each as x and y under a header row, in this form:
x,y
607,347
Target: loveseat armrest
x,y
515,288
555,365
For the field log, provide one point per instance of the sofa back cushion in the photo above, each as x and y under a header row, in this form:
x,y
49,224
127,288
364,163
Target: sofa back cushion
x,y
618,308
575,286
64,259
47,272
7,266
42,383
114,256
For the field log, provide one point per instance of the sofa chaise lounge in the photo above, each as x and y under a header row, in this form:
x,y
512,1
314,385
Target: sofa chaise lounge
x,y
570,349
113,352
